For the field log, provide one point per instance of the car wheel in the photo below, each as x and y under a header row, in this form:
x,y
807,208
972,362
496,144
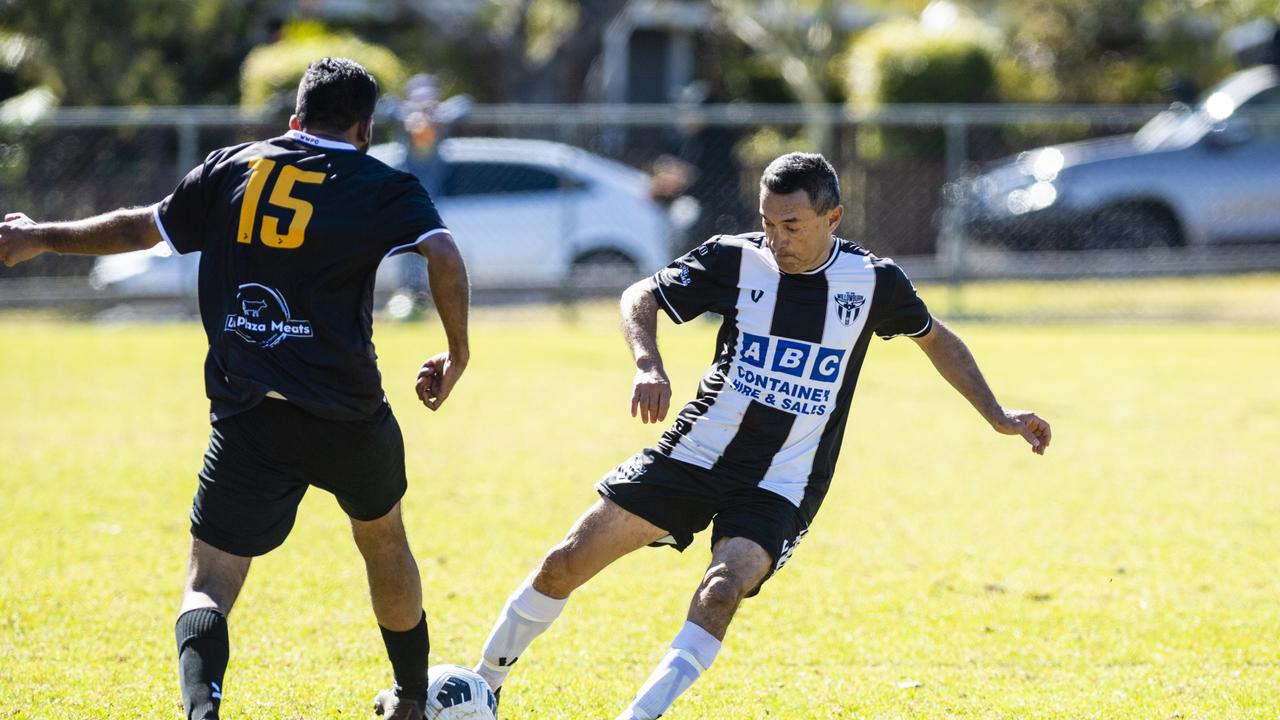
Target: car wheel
x,y
1127,227
600,273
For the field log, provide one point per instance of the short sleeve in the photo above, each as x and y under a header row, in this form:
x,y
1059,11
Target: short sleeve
x,y
182,217
408,214
696,282
904,312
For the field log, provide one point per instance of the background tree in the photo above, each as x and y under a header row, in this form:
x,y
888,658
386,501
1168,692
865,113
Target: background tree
x,y
135,52
514,50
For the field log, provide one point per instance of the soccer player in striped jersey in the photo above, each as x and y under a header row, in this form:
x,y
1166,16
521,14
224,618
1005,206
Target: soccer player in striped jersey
x,y
753,454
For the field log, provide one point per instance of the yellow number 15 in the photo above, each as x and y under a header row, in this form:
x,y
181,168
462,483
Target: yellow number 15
x,y
260,170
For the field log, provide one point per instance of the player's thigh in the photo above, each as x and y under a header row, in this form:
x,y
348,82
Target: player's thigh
x,y
674,496
609,531
248,495
361,462
604,533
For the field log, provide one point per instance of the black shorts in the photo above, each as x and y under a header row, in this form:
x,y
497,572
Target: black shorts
x,y
683,499
261,461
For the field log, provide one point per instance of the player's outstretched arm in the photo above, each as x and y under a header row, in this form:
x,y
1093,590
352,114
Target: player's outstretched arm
x,y
651,391
451,293
22,238
955,363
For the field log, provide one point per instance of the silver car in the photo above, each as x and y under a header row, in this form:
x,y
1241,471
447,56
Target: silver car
x,y
1189,177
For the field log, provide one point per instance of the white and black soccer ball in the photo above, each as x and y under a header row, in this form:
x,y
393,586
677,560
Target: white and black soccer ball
x,y
456,693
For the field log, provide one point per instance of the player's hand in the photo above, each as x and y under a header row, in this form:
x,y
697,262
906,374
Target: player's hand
x,y
17,243
1033,428
436,379
651,395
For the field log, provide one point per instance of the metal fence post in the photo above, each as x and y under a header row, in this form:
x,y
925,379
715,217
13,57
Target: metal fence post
x,y
951,238
188,146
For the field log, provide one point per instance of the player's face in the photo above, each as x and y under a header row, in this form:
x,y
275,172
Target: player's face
x,y
798,237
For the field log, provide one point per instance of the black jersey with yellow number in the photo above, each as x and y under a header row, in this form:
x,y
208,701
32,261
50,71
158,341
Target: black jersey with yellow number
x,y
291,231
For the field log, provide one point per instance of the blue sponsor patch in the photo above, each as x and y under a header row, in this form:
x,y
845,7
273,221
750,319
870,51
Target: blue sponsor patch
x,y
791,356
754,349
826,365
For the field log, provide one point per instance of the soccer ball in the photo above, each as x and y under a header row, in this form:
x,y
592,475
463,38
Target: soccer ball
x,y
456,693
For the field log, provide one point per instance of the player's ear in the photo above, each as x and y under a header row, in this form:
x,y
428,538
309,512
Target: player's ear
x,y
294,123
834,217
364,131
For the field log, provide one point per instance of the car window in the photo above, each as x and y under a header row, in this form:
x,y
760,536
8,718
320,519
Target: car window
x,y
1266,105
1266,99
486,178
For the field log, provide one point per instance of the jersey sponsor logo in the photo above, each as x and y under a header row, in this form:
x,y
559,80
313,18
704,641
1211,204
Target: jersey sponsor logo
x,y
264,318
790,375
848,305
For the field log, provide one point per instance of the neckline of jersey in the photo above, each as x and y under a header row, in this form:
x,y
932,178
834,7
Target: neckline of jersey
x,y
831,258
320,142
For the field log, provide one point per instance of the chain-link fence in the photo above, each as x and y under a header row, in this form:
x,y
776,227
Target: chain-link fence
x,y
560,201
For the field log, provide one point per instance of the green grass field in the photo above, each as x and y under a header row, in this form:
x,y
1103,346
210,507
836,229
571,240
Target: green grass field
x,y
1133,572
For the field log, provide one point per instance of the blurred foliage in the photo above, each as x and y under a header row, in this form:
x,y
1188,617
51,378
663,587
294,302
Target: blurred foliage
x,y
270,74
903,61
1074,51
133,52
899,61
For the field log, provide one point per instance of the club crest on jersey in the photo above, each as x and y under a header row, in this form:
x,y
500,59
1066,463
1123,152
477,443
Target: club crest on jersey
x,y
264,318
848,305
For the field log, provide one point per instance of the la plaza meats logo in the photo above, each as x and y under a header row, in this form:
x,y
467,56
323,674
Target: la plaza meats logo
x,y
263,318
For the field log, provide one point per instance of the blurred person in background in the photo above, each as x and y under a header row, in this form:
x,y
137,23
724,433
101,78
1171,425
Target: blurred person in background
x,y
703,167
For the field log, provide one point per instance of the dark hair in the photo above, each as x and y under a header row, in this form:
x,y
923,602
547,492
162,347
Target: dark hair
x,y
809,172
335,93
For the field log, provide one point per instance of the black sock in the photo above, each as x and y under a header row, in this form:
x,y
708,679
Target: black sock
x,y
203,649
408,652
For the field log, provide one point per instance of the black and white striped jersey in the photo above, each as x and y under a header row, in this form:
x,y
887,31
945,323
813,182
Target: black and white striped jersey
x,y
772,407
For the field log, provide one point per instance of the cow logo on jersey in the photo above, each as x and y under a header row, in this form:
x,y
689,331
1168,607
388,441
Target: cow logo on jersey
x,y
264,318
848,305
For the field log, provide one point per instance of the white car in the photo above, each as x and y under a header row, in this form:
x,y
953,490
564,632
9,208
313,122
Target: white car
x,y
527,215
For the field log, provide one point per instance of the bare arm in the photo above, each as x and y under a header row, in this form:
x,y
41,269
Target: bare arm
x,y
955,363
651,392
21,238
451,293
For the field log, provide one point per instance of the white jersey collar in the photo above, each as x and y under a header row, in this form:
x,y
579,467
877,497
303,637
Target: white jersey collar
x,y
319,142
831,259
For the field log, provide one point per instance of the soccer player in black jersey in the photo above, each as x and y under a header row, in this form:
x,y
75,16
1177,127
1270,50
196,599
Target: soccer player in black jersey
x,y
291,231
753,453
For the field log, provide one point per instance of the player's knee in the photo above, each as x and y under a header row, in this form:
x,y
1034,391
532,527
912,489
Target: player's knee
x,y
560,572
380,537
722,589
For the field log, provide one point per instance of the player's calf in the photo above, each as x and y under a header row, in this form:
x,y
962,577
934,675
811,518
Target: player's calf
x,y
603,534
738,565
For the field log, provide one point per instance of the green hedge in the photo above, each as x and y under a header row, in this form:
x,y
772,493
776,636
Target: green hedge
x,y
270,74
900,62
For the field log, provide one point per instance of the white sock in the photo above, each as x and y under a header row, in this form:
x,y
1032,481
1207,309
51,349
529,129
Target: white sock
x,y
527,614
690,655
